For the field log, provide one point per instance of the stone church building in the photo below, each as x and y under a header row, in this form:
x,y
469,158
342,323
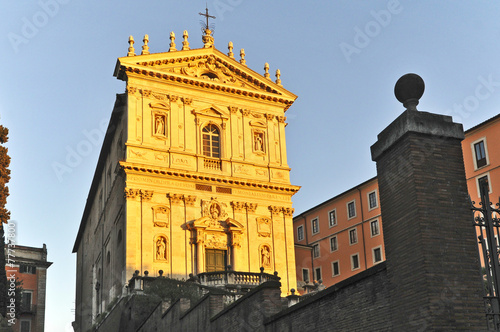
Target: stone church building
x,y
192,176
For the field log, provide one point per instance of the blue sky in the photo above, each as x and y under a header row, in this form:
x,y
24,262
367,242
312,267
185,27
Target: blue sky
x,y
342,58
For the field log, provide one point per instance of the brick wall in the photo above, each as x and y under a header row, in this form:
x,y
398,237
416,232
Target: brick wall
x,y
360,303
128,314
40,299
249,312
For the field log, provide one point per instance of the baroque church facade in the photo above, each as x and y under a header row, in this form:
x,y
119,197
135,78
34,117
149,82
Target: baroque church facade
x,y
192,176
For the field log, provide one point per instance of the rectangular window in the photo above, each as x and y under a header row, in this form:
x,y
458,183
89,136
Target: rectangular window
x,y
316,250
315,225
332,218
351,210
26,301
372,200
353,236
374,227
305,275
300,233
29,269
483,181
480,154
355,262
335,268
334,244
377,255
318,273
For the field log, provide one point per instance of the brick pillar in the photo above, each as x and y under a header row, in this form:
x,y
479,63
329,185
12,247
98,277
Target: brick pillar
x,y
429,239
40,303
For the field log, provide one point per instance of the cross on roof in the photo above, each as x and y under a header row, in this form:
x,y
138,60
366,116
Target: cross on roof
x,y
207,16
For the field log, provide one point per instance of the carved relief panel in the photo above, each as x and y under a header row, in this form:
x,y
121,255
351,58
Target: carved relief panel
x,y
161,216
215,240
264,227
214,211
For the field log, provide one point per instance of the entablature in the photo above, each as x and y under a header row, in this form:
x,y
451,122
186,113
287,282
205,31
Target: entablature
x,y
132,168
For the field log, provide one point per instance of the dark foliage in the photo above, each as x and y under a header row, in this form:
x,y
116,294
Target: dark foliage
x,y
4,216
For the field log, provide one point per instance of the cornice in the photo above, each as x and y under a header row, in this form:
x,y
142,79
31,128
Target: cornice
x,y
142,169
176,78
140,66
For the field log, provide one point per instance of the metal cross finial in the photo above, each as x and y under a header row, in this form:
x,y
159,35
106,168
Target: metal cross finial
x,y
207,16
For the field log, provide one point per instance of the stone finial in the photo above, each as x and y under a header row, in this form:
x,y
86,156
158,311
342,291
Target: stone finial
x,y
131,50
230,48
172,42
278,77
208,40
408,90
185,43
242,56
266,71
145,47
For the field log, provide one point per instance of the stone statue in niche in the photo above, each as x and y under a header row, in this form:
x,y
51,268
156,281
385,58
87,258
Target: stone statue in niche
x,y
258,142
161,249
159,125
265,254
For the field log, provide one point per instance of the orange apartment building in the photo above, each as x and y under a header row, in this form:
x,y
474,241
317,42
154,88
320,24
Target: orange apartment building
x,y
340,237
30,267
343,235
481,148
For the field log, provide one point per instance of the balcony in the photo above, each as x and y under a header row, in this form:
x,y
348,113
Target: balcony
x,y
233,279
212,164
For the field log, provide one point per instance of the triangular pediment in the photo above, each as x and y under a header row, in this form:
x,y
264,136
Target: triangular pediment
x,y
212,111
234,224
203,68
213,224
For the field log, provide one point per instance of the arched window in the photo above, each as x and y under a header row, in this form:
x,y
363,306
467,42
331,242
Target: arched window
x,y
211,141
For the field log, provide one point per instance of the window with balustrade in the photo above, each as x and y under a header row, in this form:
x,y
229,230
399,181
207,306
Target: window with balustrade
x,y
211,141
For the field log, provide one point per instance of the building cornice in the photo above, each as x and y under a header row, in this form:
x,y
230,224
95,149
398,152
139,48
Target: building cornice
x,y
130,168
330,200
481,125
147,66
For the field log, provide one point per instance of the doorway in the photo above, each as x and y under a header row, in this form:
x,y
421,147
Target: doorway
x,y
215,260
